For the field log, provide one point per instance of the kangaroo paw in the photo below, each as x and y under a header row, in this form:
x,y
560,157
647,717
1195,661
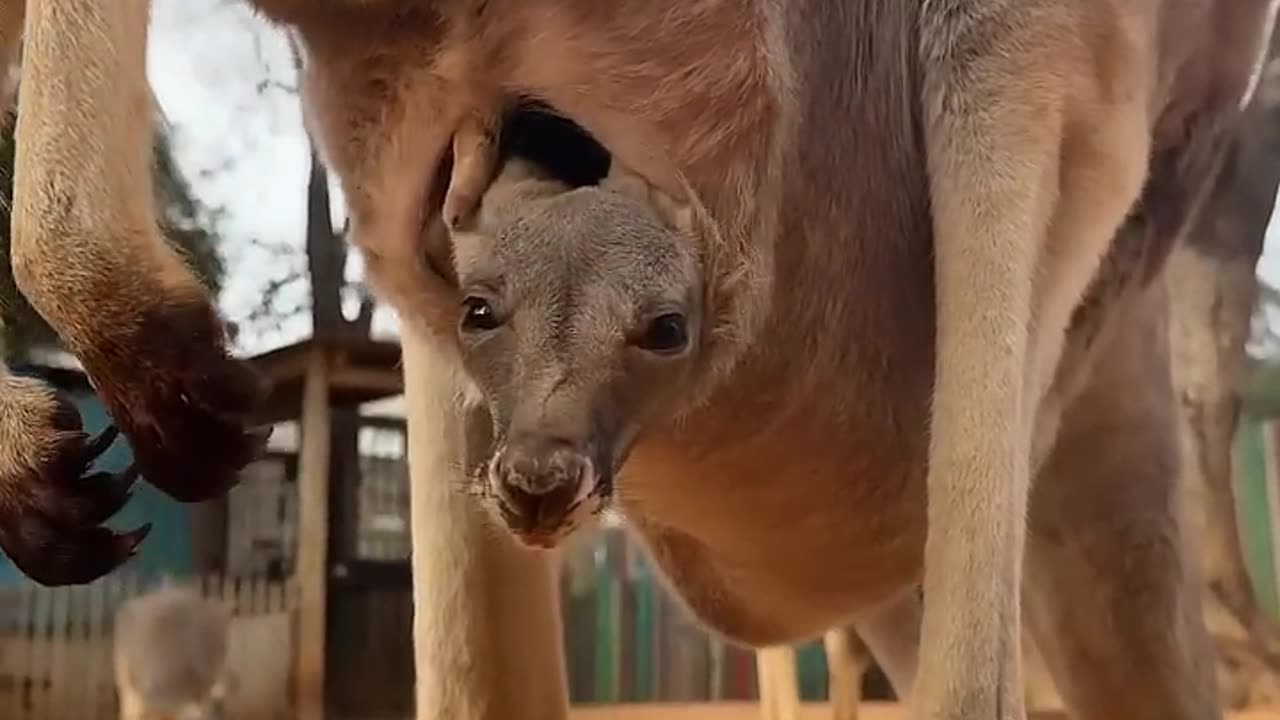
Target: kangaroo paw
x,y
51,511
184,403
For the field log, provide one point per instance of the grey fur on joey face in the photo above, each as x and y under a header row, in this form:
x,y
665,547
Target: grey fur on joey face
x,y
580,320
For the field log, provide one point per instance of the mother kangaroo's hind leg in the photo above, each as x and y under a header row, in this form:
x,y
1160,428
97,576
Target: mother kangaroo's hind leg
x,y
1112,596
1034,160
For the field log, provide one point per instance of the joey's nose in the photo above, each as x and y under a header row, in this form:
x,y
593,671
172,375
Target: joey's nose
x,y
539,482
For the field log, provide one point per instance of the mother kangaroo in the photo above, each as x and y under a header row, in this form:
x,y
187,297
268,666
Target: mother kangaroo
x,y
931,351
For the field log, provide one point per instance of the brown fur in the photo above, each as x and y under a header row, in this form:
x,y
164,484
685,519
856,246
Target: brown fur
x,y
848,168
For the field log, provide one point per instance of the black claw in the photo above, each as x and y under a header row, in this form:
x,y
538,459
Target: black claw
x,y
54,556
132,539
87,512
99,445
51,523
66,416
258,439
98,497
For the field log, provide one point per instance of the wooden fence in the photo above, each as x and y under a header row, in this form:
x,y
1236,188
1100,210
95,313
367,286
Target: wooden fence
x,y
808,711
1257,495
628,639
56,658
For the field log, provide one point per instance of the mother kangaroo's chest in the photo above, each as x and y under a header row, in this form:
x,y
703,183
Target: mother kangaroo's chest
x,y
754,530
755,478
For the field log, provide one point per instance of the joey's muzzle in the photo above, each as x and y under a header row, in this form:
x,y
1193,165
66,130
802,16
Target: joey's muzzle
x,y
539,483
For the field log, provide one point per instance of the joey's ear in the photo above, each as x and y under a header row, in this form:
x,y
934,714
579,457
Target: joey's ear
x,y
518,183
475,159
677,214
484,184
438,250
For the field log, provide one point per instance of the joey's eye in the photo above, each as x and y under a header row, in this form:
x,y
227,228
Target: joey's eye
x,y
478,315
666,334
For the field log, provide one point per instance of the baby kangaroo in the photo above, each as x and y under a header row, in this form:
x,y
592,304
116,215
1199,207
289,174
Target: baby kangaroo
x,y
579,314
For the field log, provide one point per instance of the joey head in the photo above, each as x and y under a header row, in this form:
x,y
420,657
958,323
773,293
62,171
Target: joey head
x,y
580,319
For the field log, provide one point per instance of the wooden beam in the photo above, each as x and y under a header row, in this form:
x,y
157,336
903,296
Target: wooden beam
x,y
311,569
283,369
808,711
779,687
358,378
847,661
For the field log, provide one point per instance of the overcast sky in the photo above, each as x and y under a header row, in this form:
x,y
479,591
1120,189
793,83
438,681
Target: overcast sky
x,y
244,149
218,70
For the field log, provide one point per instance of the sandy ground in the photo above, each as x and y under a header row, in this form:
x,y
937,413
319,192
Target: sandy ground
x,y
751,711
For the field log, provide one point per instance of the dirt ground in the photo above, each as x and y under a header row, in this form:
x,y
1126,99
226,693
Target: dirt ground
x,y
751,711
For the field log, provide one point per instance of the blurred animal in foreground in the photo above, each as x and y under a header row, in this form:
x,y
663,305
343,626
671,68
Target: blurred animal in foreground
x,y
171,655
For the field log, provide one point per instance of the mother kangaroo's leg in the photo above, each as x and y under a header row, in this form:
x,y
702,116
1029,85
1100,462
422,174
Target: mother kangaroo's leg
x,y
486,622
88,255
1112,595
1032,168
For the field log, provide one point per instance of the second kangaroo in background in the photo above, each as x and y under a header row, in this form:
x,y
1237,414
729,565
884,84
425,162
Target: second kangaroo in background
x,y
171,655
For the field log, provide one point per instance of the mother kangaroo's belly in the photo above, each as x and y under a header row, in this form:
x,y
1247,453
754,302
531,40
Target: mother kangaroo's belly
x,y
769,541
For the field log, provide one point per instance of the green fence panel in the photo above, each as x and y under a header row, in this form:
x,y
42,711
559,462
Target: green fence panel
x,y
1253,511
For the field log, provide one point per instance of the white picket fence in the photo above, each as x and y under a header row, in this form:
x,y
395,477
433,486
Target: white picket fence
x,y
55,647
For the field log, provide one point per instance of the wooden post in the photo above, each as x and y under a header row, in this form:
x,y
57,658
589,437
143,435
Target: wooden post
x,y
847,661
779,688
311,568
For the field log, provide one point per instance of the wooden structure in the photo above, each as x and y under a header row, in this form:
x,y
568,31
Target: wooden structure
x,y
848,659
779,696
321,382
808,711
56,647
